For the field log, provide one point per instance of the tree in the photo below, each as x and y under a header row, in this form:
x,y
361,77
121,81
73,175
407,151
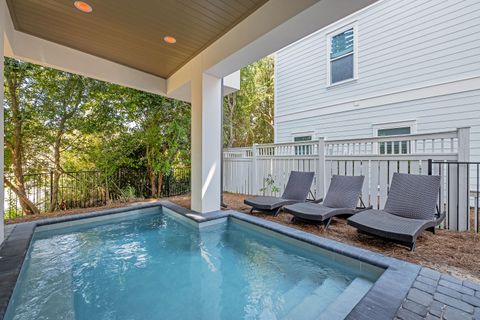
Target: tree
x,y
153,138
162,128
68,113
59,122
20,114
248,113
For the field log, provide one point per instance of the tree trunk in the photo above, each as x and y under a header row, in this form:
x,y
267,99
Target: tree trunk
x,y
15,145
160,182
153,183
27,205
232,103
57,171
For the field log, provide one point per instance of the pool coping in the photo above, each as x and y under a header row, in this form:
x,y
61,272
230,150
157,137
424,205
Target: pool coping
x,y
381,302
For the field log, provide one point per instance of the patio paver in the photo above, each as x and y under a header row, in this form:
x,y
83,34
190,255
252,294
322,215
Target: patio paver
x,y
439,296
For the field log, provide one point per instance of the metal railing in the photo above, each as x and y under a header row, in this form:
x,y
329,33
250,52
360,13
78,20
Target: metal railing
x,y
84,189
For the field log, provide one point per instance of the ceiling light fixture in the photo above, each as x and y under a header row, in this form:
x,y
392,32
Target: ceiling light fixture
x,y
83,6
169,40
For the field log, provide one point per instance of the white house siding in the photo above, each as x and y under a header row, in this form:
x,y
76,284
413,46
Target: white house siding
x,y
442,113
417,60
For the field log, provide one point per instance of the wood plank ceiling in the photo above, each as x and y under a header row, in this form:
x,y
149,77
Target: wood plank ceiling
x,y
131,32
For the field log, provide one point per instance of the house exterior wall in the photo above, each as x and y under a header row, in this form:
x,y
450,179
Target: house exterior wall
x,y
418,64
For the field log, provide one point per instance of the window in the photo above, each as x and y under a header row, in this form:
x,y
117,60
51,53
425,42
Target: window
x,y
394,147
305,149
342,56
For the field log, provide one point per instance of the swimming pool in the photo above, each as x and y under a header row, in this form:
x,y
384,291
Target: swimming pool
x,y
153,264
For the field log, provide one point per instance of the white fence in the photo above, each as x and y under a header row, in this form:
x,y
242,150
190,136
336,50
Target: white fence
x,y
246,169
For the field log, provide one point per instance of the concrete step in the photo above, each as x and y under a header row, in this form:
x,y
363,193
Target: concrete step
x,y
347,300
294,296
317,301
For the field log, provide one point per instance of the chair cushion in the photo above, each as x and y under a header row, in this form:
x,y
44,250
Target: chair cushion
x,y
413,196
315,212
344,191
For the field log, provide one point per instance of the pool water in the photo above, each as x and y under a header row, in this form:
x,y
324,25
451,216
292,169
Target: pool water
x,y
151,265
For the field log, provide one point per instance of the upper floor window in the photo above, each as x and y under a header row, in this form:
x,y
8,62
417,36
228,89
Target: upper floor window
x,y
342,56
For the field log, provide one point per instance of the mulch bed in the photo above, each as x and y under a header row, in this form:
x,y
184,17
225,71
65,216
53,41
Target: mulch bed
x,y
74,211
456,253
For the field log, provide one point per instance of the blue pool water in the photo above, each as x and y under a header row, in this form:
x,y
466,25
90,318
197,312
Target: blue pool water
x,y
150,265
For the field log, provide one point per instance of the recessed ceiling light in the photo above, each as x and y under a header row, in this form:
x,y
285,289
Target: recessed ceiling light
x,y
83,6
169,39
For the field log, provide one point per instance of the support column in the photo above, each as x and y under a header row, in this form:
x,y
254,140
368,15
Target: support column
x,y
2,121
206,143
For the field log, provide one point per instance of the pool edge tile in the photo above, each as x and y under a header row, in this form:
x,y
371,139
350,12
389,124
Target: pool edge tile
x,y
381,302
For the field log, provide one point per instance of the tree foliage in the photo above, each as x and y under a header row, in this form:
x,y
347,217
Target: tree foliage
x,y
60,122
248,113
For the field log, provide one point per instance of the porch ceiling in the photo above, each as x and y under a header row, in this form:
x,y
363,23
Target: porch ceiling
x,y
131,32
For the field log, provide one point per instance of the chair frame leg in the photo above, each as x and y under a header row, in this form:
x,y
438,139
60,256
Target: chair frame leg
x,y
413,246
277,212
251,210
326,224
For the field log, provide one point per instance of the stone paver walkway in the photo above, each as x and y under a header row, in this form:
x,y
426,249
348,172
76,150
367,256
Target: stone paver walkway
x,y
435,295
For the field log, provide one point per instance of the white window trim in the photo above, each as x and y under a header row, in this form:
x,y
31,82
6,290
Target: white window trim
x,y
302,134
392,125
354,26
395,124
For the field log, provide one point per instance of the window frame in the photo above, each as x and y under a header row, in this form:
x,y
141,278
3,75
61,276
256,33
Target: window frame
x,y
412,124
330,35
306,150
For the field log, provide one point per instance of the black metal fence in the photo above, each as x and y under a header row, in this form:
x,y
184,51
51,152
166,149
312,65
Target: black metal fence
x,y
84,189
459,195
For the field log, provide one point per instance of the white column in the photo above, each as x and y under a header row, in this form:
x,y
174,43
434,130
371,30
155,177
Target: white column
x,y
206,143
2,126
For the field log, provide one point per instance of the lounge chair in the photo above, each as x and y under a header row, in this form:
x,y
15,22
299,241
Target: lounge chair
x,y
410,209
297,189
341,199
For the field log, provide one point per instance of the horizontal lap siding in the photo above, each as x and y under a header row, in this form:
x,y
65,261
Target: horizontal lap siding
x,y
403,45
440,113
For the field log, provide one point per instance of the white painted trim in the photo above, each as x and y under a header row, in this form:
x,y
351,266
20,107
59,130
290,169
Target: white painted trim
x,y
352,25
395,124
3,16
275,97
406,94
303,133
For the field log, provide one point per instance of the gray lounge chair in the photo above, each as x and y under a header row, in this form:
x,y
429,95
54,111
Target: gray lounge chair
x,y
410,209
297,189
341,199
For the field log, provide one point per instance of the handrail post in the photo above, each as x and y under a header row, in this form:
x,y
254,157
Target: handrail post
x,y
321,169
463,193
463,135
254,179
